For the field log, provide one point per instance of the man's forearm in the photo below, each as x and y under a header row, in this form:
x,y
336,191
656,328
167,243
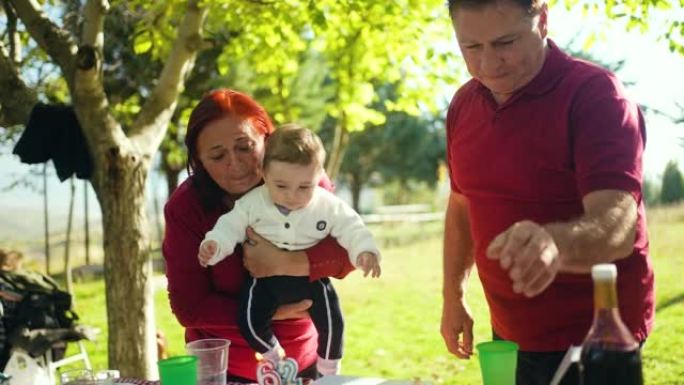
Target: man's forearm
x,y
457,268
458,250
605,233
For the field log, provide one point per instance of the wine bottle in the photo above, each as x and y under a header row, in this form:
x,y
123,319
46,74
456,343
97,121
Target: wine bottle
x,y
610,354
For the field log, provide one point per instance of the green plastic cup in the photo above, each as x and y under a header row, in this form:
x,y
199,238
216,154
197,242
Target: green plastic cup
x,y
498,361
178,370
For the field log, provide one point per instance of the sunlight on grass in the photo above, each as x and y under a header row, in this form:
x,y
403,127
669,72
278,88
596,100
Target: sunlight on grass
x,y
392,323
664,352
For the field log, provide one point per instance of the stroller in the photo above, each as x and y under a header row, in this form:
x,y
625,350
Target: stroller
x,y
36,322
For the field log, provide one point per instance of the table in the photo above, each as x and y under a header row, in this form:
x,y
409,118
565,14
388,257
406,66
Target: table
x,y
135,381
327,380
351,380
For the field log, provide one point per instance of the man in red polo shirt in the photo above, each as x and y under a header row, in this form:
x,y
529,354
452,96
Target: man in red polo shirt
x,y
544,155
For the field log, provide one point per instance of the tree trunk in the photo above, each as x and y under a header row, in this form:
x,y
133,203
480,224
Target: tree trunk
x,y
46,218
337,152
119,183
68,278
86,211
15,51
157,217
356,185
403,192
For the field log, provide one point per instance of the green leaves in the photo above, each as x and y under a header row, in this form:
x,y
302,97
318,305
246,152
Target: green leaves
x,y
142,43
642,15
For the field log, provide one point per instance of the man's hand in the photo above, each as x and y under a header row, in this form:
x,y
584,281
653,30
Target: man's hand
x,y
206,252
457,328
293,310
368,262
530,255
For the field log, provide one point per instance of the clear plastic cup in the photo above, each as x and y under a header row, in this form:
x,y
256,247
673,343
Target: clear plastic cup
x,y
213,360
106,377
77,377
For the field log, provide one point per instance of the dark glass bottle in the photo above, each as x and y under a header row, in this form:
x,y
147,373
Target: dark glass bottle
x,y
610,354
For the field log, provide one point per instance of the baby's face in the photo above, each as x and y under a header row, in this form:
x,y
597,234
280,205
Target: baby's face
x,y
291,185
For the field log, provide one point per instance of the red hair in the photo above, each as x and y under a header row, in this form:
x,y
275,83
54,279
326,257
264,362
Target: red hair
x,y
215,105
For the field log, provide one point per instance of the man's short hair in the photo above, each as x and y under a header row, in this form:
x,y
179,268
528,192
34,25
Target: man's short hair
x,y
532,7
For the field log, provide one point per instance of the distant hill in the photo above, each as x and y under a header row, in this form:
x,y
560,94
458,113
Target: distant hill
x,y
21,224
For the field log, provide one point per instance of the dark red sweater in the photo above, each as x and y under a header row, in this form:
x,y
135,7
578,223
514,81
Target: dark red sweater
x,y
205,300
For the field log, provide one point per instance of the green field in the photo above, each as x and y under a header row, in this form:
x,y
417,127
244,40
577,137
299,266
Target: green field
x,y
393,323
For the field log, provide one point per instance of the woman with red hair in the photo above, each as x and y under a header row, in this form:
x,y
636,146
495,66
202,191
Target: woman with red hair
x,y
225,143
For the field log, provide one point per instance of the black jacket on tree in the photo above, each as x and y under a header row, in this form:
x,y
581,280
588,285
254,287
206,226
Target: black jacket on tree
x,y
53,132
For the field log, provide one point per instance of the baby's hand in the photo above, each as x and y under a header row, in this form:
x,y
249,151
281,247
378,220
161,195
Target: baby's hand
x,y
206,251
368,262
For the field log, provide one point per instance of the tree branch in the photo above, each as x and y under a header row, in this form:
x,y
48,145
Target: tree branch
x,y
16,100
13,35
54,40
149,128
90,102
91,105
93,13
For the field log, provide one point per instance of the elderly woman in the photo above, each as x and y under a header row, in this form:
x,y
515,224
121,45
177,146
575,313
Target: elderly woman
x,y
225,143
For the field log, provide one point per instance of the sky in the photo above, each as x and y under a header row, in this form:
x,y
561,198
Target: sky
x,y
655,72
657,76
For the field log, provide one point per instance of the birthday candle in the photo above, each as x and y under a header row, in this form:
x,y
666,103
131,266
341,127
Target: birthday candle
x,y
267,373
288,368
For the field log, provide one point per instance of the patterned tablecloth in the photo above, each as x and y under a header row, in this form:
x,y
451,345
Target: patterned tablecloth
x,y
328,380
136,381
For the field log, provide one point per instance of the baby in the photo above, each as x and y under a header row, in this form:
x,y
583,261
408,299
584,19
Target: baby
x,y
294,213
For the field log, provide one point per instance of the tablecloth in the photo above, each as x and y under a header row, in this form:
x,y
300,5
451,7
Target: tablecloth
x,y
137,381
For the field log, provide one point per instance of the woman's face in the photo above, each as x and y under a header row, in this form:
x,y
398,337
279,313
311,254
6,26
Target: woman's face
x,y
231,151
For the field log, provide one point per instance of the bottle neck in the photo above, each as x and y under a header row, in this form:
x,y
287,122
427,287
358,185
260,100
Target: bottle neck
x,y
608,330
605,295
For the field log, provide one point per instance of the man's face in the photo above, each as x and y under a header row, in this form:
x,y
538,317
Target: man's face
x,y
502,45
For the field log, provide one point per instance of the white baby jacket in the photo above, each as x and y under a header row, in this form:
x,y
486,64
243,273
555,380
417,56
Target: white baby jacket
x,y
325,215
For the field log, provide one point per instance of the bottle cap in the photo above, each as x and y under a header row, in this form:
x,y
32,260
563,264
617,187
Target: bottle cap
x,y
604,272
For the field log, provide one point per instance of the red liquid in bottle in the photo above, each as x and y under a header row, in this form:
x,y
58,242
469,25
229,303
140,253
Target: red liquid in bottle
x,y
610,354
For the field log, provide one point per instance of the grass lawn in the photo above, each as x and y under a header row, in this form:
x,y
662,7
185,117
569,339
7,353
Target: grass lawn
x,y
392,323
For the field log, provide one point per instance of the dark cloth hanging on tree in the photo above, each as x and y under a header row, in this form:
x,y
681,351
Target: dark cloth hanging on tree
x,y
53,132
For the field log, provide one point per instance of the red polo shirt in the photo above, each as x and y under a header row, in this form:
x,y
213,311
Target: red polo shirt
x,y
570,131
